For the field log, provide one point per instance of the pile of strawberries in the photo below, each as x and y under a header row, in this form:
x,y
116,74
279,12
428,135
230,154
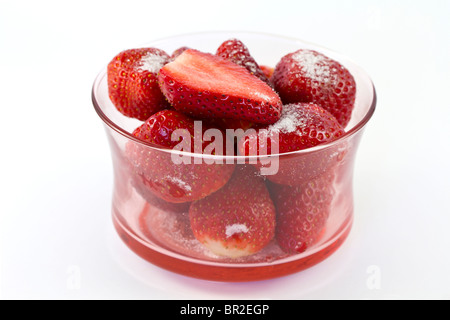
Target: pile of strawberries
x,y
306,100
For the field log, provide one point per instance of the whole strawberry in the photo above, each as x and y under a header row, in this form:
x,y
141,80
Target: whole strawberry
x,y
178,51
133,82
268,71
174,179
301,126
204,86
309,76
140,185
170,230
236,51
234,124
239,219
302,212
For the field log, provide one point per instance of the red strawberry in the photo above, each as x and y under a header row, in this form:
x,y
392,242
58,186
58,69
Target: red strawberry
x,y
236,51
157,222
301,126
302,212
133,82
177,52
171,230
234,124
182,181
203,85
122,176
268,71
309,76
140,185
239,219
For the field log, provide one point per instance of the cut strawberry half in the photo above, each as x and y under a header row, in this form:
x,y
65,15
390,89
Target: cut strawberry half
x,y
203,85
309,76
133,82
175,180
239,219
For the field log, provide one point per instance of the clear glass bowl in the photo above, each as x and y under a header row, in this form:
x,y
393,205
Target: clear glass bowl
x,y
159,231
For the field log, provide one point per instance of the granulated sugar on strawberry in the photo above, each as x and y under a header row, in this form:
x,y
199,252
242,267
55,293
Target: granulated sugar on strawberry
x,y
302,212
309,76
169,180
301,126
133,82
236,51
239,219
204,86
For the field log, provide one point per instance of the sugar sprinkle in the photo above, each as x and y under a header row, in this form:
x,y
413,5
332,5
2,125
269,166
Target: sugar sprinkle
x,y
289,122
314,65
180,183
235,228
152,62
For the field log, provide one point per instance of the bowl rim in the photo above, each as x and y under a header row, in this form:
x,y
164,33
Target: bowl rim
x,y
348,133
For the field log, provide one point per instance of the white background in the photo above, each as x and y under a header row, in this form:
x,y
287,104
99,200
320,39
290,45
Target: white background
x,y
57,239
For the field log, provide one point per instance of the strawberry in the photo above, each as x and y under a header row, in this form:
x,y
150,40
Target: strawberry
x,y
239,219
152,221
170,230
301,126
178,51
141,186
309,76
223,123
133,82
204,86
302,212
173,181
268,71
122,176
236,51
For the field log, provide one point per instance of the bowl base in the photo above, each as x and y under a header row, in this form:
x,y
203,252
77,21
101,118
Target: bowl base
x,y
234,273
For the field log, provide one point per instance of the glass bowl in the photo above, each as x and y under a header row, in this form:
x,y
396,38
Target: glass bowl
x,y
160,231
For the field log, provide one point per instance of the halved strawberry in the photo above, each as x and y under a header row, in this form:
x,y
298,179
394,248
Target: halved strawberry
x,y
236,51
203,85
309,76
133,82
239,219
171,178
301,126
302,212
